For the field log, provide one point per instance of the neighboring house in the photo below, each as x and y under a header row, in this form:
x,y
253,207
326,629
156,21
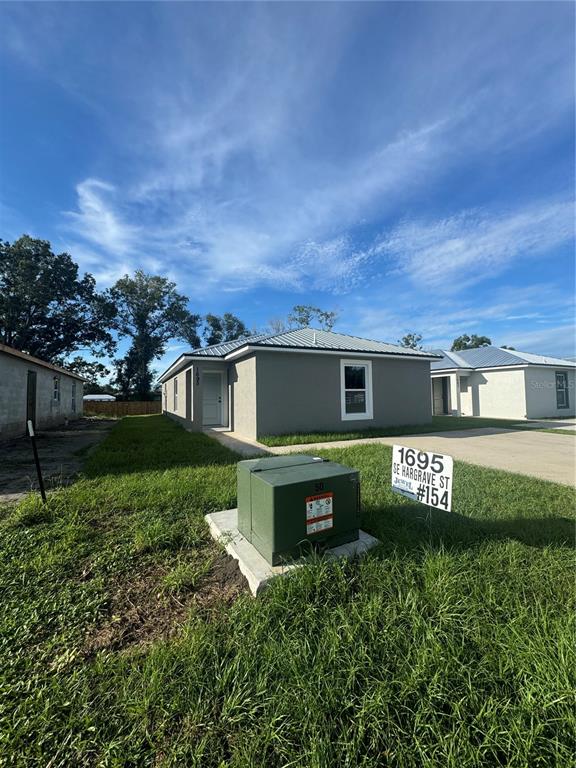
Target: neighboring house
x,y
298,381
33,389
502,383
99,398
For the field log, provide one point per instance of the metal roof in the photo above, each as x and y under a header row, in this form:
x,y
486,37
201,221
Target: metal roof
x,y
544,359
221,350
494,357
450,360
490,357
309,338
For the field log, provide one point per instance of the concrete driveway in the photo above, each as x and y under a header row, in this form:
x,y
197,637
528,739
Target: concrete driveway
x,y
527,452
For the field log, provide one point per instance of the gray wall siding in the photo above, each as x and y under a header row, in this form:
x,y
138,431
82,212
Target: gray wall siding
x,y
49,413
302,393
242,378
194,397
178,409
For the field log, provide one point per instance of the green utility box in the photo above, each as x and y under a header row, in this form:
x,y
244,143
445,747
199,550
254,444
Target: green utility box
x,y
288,505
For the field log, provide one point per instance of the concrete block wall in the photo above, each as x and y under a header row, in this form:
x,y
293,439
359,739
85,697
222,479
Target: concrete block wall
x,y
49,412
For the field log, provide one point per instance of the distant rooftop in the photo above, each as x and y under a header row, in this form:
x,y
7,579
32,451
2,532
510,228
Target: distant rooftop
x,y
494,357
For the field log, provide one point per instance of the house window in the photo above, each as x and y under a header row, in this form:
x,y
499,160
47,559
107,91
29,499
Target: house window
x,y
74,397
356,389
175,394
165,397
56,390
562,389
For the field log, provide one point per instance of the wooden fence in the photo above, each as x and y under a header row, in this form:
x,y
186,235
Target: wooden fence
x,y
119,408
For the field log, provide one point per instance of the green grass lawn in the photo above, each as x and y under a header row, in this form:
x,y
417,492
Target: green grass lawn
x,y
127,640
560,431
438,424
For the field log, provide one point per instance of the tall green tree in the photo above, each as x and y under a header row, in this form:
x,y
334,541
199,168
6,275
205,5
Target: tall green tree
x,y
228,327
470,342
303,315
411,341
134,375
93,372
46,308
90,370
150,311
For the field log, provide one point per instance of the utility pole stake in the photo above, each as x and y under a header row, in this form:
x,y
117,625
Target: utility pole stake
x,y
36,460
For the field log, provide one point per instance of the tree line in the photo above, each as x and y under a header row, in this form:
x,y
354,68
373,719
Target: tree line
x,y
48,310
412,341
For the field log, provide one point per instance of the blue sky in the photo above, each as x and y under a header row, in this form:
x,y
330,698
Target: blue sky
x,y
410,165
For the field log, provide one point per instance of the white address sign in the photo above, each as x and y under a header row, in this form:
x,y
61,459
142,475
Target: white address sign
x,y
422,476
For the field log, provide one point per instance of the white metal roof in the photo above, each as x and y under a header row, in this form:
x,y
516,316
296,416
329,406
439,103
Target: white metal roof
x,y
494,357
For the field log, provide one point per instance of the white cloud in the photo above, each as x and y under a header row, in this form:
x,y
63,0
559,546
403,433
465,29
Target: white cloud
x,y
255,139
98,221
237,243
527,316
236,178
459,251
557,341
333,265
442,318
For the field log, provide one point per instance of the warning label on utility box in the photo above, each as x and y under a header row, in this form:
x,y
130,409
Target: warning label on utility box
x,y
319,514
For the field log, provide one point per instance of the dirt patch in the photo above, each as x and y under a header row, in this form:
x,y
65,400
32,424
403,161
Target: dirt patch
x,y
141,612
61,451
223,582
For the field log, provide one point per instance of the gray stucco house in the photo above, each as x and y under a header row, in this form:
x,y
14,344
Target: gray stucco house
x,y
33,389
297,381
502,383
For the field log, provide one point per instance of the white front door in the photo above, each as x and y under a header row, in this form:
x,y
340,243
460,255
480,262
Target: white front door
x,y
212,398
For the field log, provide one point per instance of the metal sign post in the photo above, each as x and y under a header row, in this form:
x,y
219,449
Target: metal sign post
x,y
36,460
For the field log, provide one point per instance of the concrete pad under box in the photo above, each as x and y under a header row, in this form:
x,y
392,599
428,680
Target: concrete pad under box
x,y
258,572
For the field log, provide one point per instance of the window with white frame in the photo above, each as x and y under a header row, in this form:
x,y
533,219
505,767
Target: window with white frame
x,y
73,397
562,389
165,397
56,390
356,389
175,394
